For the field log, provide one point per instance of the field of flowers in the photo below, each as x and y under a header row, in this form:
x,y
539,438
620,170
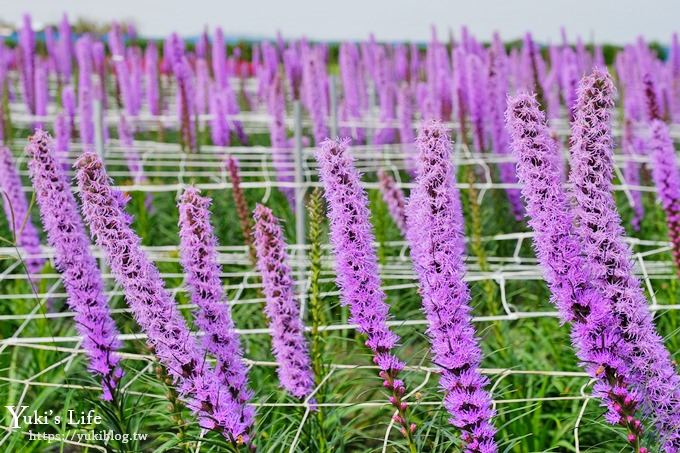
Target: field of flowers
x,y
291,246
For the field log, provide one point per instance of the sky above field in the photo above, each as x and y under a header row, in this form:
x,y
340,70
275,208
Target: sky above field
x,y
602,20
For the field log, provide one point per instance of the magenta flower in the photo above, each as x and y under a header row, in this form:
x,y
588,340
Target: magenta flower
x,y
152,306
200,262
596,334
666,174
610,259
17,213
80,274
437,239
283,312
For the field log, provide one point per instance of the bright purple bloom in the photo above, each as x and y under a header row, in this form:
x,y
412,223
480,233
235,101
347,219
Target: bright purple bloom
x,y
80,274
283,312
357,264
42,94
610,259
437,239
198,248
596,334
352,239
666,174
17,213
394,199
152,305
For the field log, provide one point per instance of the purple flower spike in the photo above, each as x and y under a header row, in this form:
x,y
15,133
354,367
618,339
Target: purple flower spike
x,y
27,60
596,334
16,211
288,340
200,262
314,93
85,91
152,78
610,258
357,264
436,236
152,305
282,155
666,174
497,91
80,274
394,198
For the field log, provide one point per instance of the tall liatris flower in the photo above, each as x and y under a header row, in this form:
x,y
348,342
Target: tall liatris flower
x,y
17,213
497,92
281,153
394,199
436,236
357,267
85,91
152,305
283,312
666,174
153,97
200,262
80,274
62,132
27,62
596,334
314,93
610,259
185,95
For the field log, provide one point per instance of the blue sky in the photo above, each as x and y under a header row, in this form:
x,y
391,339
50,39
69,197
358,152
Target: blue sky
x,y
602,20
